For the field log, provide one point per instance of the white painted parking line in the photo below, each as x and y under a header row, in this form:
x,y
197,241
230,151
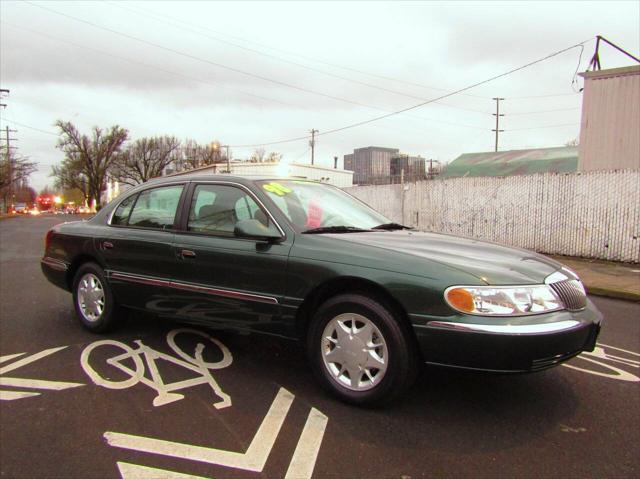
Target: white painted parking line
x,y
28,383
253,459
13,395
306,453
134,471
28,359
10,357
37,384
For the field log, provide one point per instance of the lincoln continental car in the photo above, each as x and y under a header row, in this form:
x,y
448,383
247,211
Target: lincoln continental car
x,y
371,299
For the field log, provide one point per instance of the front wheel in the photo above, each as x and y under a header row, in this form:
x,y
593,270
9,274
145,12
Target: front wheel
x,y
93,299
360,351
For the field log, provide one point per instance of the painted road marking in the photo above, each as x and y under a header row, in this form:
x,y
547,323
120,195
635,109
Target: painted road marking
x,y
26,383
254,459
166,394
13,395
604,359
135,471
10,357
304,458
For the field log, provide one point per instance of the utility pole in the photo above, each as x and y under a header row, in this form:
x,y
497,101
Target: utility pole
x,y
312,143
9,163
497,114
2,93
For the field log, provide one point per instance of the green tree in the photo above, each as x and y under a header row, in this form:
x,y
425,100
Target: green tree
x,y
88,158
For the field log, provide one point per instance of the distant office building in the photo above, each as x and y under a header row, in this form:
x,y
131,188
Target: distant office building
x,y
376,165
407,168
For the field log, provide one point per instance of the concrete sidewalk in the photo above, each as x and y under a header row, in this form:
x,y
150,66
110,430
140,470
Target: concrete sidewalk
x,y
605,278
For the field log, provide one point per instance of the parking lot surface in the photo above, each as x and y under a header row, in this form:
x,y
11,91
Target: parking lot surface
x,y
141,402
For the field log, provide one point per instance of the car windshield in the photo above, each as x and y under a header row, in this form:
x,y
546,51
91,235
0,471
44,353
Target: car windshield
x,y
320,207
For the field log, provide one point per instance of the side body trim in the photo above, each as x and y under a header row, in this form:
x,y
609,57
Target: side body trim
x,y
196,288
56,264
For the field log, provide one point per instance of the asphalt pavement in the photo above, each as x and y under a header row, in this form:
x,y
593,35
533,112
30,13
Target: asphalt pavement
x,y
138,403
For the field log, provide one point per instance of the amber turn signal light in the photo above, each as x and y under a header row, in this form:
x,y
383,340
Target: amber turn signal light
x,y
461,299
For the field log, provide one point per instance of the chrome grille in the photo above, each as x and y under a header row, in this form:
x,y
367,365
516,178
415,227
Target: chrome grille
x,y
571,293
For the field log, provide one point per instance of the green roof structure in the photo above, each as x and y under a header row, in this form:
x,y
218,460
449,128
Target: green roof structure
x,y
515,162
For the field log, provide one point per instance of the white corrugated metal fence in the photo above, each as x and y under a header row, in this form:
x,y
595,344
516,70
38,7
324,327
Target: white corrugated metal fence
x,y
592,215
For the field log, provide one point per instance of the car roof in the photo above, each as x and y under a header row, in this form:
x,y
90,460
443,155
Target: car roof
x,y
222,177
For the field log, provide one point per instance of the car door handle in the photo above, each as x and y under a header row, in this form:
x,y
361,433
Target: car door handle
x,y
107,244
187,253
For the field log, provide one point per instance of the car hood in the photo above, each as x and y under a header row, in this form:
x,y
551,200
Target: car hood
x,y
490,262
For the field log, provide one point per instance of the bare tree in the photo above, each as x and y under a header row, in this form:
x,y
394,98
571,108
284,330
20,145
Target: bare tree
x,y
273,157
258,155
145,159
196,155
14,172
89,156
69,176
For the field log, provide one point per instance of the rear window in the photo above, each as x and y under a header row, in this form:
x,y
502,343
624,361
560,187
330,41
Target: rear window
x,y
155,208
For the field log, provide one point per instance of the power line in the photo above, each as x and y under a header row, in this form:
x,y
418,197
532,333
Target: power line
x,y
544,111
9,120
193,57
102,52
182,75
199,59
543,127
326,132
553,95
474,85
283,60
141,11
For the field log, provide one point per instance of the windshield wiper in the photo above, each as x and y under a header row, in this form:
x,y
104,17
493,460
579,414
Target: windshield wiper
x,y
335,229
391,226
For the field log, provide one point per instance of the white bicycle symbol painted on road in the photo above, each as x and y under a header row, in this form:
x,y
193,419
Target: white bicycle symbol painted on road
x,y
193,362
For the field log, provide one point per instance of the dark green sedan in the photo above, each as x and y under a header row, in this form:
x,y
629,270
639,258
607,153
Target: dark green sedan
x,y
372,299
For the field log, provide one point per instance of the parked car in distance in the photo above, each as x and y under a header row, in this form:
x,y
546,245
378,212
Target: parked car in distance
x,y
371,299
20,209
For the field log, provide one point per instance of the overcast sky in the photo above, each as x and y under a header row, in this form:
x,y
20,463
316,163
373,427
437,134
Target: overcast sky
x,y
245,73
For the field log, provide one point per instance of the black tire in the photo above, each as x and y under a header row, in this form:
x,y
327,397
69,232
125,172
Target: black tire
x,y
109,313
400,353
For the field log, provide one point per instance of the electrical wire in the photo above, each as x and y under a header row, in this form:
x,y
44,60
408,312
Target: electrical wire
x,y
136,62
193,57
164,18
334,130
8,120
543,127
474,85
542,111
290,62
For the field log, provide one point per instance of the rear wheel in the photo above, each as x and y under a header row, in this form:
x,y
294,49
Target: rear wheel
x,y
93,299
360,351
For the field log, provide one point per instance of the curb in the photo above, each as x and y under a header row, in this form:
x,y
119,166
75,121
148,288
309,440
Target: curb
x,y
612,293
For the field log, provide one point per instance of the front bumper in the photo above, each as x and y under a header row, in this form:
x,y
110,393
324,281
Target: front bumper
x,y
507,345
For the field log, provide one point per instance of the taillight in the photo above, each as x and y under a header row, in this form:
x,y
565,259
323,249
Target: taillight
x,y
47,240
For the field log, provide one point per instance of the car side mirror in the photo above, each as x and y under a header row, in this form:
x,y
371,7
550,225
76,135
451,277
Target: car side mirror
x,y
255,230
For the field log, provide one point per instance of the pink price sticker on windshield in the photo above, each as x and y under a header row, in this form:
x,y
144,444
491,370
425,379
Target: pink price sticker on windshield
x,y
314,215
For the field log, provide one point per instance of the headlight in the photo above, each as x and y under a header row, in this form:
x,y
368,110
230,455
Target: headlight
x,y
503,300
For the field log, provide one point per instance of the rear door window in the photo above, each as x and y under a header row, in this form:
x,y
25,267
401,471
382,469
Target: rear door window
x,y
156,208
